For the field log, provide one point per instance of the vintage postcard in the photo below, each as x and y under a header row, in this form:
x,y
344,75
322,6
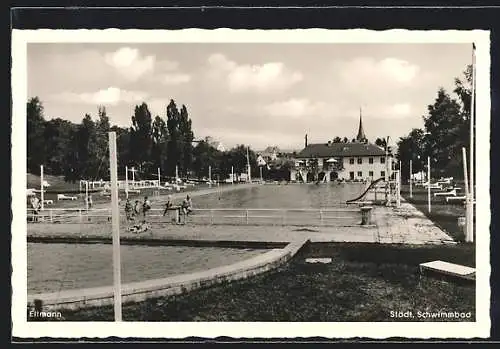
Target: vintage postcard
x,y
250,183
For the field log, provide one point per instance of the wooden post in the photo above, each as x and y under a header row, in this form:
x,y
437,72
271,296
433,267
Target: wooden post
x,y
115,221
159,180
320,217
246,215
41,185
261,178
411,183
429,184
176,174
468,203
232,174
80,215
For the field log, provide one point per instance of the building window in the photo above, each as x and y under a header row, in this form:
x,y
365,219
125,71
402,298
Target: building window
x,y
360,160
351,175
360,174
370,160
382,160
351,161
370,173
382,173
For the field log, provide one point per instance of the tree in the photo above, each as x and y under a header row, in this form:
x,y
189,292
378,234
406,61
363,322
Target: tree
x,y
173,151
186,138
57,137
337,140
411,148
86,148
345,140
35,129
444,136
381,142
159,142
102,144
140,137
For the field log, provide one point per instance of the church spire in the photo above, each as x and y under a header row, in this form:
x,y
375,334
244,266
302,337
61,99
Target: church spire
x,y
361,133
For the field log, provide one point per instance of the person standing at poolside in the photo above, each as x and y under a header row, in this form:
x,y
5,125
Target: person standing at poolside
x,y
168,204
187,207
128,210
146,206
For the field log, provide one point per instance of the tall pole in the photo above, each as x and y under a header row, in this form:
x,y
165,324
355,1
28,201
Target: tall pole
x,y
248,166
176,173
429,183
86,195
398,192
232,174
159,180
261,179
468,204
210,175
472,117
41,184
116,227
411,183
126,182
133,175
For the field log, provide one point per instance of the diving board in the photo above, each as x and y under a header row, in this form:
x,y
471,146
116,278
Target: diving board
x,y
451,269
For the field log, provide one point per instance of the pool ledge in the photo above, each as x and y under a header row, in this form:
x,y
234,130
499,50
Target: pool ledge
x,y
178,284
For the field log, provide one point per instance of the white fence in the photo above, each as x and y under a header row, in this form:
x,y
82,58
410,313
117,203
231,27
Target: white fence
x,y
216,216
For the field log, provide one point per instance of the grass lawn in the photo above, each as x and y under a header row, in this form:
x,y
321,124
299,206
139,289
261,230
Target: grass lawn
x,y
444,215
365,282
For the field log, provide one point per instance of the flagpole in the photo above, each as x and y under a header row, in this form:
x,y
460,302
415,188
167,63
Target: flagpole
x,y
471,154
429,184
467,199
115,221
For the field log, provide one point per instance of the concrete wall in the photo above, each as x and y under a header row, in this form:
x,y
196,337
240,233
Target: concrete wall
x,y
140,291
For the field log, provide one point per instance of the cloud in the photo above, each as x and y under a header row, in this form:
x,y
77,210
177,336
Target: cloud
x,y
175,78
364,71
267,77
129,62
109,96
295,108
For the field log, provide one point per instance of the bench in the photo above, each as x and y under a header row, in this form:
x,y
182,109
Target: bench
x,y
448,269
65,197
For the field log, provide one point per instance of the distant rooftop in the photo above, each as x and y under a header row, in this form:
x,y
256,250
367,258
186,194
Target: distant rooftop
x,y
323,150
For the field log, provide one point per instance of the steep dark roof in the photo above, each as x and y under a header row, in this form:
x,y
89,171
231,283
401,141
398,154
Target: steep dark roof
x,y
323,150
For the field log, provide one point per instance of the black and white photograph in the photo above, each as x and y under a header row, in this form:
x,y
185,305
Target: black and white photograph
x,y
251,183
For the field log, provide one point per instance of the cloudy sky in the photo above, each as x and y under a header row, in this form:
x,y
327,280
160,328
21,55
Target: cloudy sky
x,y
256,94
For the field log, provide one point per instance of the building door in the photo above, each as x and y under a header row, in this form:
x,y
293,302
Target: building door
x,y
351,176
333,176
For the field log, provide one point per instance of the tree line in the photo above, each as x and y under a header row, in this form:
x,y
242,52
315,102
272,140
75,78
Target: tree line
x,y
80,150
446,130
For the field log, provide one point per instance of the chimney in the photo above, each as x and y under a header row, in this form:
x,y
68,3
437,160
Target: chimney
x,y
306,140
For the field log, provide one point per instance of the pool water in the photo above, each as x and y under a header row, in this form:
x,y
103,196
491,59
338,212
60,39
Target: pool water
x,y
283,196
56,267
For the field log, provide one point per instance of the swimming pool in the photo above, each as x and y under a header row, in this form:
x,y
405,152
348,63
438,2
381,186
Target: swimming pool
x,y
282,196
56,267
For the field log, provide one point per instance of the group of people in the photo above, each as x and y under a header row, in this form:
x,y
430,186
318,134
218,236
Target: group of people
x,y
138,209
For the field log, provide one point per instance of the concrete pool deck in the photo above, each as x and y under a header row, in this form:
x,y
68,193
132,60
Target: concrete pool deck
x,y
405,225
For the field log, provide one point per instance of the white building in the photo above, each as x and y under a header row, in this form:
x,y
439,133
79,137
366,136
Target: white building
x,y
357,160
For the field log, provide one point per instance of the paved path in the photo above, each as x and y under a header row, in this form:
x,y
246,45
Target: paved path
x,y
407,225
404,225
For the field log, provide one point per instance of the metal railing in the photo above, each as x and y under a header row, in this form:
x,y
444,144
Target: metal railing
x,y
213,216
